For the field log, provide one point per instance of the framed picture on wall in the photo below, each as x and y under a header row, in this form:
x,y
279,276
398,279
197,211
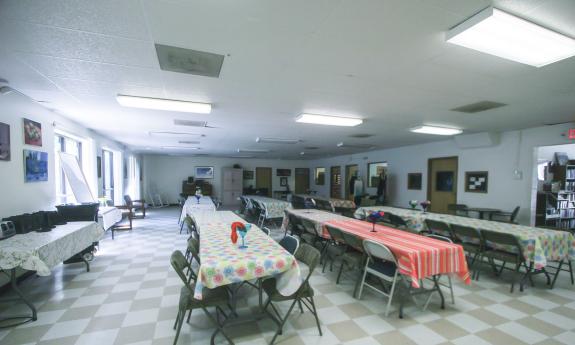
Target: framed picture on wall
x,y
283,181
444,181
35,166
204,172
248,174
414,181
476,181
4,142
32,133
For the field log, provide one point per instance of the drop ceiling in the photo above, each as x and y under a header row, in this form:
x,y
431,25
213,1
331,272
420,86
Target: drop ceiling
x,y
384,61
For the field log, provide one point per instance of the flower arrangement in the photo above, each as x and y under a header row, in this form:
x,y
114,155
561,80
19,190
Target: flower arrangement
x,y
374,217
425,204
198,194
241,229
413,204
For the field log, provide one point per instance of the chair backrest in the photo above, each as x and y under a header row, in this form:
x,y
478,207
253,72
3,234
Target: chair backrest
x,y
514,215
397,220
353,241
439,237
190,223
464,234
438,228
298,202
309,226
266,230
375,250
335,234
500,238
128,200
180,264
290,244
194,248
323,205
309,256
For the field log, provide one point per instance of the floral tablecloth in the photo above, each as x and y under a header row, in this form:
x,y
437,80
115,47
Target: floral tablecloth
x,y
191,205
42,251
417,256
225,263
539,245
339,203
274,207
317,217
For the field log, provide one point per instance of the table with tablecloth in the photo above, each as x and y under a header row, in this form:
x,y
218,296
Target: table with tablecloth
x,y
317,217
108,216
274,207
335,203
192,204
223,262
539,245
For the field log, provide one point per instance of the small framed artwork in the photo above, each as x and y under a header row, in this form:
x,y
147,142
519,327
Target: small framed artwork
x,y
35,166
320,176
283,181
444,181
204,172
32,133
4,142
414,181
248,174
283,172
476,181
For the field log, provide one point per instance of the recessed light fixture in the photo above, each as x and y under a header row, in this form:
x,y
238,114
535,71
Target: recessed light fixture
x,y
164,104
180,148
356,146
436,130
329,120
302,153
498,33
252,150
168,134
188,142
277,140
242,156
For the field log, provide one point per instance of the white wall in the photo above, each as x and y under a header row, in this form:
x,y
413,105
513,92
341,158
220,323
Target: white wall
x,y
16,195
500,161
164,174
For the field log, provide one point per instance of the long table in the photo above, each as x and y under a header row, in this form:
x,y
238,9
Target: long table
x,y
192,204
224,263
274,208
335,203
539,245
42,251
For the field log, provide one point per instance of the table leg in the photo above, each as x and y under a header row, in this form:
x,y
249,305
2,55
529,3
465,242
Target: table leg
x,y
22,297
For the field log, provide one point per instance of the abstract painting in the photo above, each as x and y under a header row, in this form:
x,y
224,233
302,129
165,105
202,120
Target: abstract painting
x,y
476,181
35,166
204,172
4,142
32,133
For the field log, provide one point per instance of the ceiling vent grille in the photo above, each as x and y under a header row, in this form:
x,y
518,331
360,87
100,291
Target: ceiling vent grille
x,y
190,123
478,107
361,135
182,60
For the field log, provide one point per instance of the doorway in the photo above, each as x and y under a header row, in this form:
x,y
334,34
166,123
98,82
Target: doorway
x,y
264,181
108,174
301,180
442,183
335,182
350,170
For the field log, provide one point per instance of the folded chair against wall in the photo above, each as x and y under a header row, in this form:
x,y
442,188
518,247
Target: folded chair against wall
x,y
458,209
439,228
304,295
136,206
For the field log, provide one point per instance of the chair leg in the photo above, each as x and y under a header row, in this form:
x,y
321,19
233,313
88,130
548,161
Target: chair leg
x,y
314,311
390,298
478,269
283,321
515,276
571,271
300,306
360,292
339,273
179,322
451,289
557,273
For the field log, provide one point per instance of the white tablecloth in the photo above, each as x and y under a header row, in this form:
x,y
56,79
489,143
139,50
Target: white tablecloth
x,y
192,205
108,216
42,251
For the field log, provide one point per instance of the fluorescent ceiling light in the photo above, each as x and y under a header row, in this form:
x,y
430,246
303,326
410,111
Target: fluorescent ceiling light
x,y
501,34
302,153
241,156
329,120
253,150
164,104
276,140
357,146
436,130
180,148
174,134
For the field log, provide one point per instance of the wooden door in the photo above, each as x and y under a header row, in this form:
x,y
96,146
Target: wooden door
x,y
301,180
350,170
442,183
264,179
335,182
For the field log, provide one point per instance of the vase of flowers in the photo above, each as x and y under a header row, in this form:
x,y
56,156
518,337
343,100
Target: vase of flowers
x,y
374,217
424,205
413,204
198,194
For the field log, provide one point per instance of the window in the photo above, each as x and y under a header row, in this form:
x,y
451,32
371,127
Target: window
x,y
108,174
63,143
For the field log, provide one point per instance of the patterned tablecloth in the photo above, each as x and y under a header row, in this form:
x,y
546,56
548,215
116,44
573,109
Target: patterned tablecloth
x,y
318,217
224,263
539,245
339,203
418,256
42,251
275,208
191,205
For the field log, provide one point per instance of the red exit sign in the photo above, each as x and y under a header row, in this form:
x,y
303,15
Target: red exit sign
x,y
572,133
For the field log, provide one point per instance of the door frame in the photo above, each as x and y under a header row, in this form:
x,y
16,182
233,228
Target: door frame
x,y
331,181
271,184
429,175
308,184
346,194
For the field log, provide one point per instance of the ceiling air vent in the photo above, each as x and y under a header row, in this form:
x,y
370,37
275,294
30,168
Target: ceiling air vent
x,y
188,142
190,123
181,60
311,147
478,107
361,135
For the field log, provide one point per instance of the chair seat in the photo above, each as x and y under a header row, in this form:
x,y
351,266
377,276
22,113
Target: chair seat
x,y
352,258
210,297
471,247
501,255
269,286
384,267
335,250
308,238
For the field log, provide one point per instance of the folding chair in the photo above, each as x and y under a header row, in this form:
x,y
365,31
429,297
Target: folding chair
x,y
290,244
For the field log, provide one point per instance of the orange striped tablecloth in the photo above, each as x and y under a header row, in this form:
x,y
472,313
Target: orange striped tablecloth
x,y
418,256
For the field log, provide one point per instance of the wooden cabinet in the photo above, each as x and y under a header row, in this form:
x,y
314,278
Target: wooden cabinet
x,y
231,186
190,188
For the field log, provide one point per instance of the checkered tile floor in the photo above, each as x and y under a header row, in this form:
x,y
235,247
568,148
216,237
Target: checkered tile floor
x,y
131,295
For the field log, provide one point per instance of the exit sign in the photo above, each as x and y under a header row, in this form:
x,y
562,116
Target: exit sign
x,y
572,133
